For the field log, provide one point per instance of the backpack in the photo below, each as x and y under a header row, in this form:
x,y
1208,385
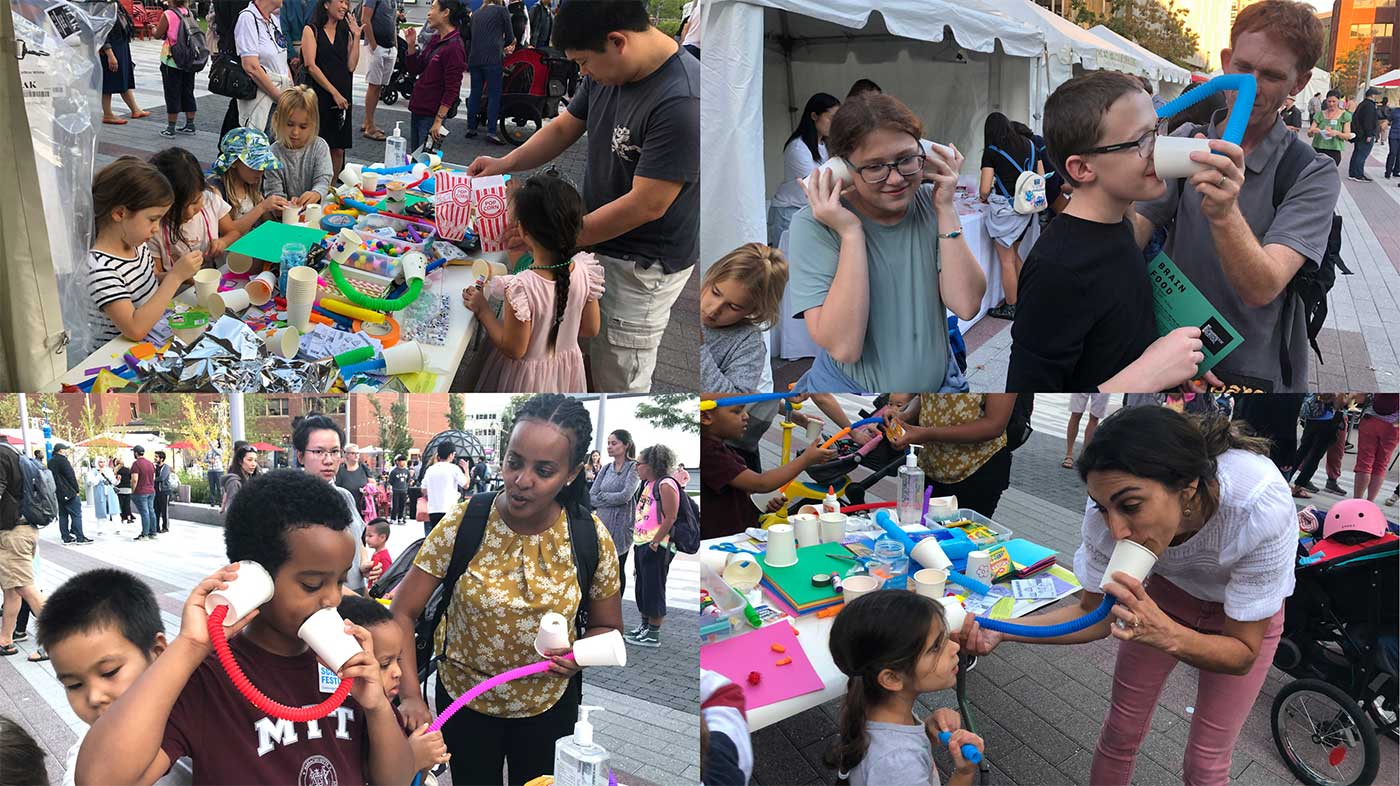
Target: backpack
x,y
190,51
1029,195
1018,428
171,482
582,534
35,508
685,532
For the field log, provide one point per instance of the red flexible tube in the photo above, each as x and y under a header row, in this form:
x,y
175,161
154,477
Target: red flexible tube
x,y
867,506
255,696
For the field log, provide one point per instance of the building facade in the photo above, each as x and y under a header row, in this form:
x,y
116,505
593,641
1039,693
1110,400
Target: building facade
x,y
1358,23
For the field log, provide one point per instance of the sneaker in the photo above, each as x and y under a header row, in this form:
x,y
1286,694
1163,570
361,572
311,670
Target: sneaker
x,y
85,540
69,540
1310,487
170,132
1355,179
1331,485
1390,502
495,140
1367,179
651,637
139,537
1003,311
188,130
471,133
637,631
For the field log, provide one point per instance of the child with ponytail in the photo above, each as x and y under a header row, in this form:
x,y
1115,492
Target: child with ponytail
x,y
892,646
549,304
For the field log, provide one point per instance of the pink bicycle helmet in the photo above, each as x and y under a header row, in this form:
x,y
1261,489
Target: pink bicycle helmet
x,y
1358,515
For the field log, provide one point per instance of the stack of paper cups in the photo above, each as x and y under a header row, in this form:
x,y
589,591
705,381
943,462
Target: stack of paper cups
x,y
325,633
782,546
979,566
404,357
261,287
808,531
313,213
234,300
1133,559
301,295
833,527
554,633
206,283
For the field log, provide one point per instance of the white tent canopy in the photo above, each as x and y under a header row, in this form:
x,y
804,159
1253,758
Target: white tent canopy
x,y
1070,45
1388,79
1320,82
1160,69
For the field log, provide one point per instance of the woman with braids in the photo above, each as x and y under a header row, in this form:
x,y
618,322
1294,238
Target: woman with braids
x,y
549,304
540,551
892,646
1205,498
657,507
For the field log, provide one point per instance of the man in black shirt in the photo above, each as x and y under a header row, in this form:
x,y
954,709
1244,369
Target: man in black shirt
x,y
1365,124
399,478
1084,321
1292,116
70,505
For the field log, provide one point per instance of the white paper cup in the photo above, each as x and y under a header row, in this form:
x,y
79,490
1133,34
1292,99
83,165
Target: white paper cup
x,y
1133,559
853,587
430,160
553,635
369,181
302,280
836,166
299,316
404,357
782,546
260,289
932,148
286,342
1172,156
943,508
743,572
605,650
928,553
814,429
291,214
251,589
833,527
325,633
234,300
815,510
313,213
979,566
238,263
350,175
807,528
953,611
481,268
930,582
344,244
713,559
206,283
301,295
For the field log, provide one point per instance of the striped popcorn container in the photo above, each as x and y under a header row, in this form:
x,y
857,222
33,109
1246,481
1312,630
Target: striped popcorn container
x,y
452,203
489,194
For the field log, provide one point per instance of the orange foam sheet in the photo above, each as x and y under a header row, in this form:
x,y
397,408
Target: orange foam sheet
x,y
735,658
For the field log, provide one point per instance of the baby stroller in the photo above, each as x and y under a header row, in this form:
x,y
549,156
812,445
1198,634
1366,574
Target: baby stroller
x,y
402,80
1339,642
533,86
882,460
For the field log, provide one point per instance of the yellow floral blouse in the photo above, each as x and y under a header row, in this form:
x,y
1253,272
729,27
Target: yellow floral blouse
x,y
951,462
495,612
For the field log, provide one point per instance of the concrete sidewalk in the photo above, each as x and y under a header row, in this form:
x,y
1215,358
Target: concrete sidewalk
x,y
651,727
1040,709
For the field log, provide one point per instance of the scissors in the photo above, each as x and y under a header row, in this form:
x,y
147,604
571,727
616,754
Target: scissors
x,y
733,549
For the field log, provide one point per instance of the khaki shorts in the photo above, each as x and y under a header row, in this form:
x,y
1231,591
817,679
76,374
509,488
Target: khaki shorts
x,y
17,557
381,65
636,307
1095,403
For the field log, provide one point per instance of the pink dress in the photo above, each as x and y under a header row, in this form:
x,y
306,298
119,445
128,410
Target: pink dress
x,y
531,297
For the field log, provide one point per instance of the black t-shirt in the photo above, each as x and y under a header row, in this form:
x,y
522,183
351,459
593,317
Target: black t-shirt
x,y
1292,117
399,478
1085,308
1003,168
124,478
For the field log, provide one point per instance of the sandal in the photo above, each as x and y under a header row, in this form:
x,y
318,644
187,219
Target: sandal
x,y
1068,463
375,134
114,121
6,650
38,657
139,115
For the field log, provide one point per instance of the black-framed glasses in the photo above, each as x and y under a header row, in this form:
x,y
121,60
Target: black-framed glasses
x,y
875,174
1145,144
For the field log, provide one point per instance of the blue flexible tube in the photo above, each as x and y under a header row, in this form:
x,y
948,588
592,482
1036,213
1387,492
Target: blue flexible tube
x,y
363,367
752,398
1244,86
866,422
363,208
893,530
389,170
969,751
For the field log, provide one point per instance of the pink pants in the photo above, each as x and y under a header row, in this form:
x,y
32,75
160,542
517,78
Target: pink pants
x,y
1375,442
1223,701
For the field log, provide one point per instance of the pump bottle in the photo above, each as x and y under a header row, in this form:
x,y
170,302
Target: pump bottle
x,y
578,761
910,504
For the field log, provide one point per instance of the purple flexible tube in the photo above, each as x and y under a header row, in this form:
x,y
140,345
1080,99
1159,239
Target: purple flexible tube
x,y
499,679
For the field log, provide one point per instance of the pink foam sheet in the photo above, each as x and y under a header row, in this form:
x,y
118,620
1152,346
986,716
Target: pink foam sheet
x,y
735,658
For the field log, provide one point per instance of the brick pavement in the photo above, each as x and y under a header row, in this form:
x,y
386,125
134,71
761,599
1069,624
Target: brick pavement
x,y
1040,709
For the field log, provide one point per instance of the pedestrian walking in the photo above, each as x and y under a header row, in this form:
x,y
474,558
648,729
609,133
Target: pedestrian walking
x,y
143,492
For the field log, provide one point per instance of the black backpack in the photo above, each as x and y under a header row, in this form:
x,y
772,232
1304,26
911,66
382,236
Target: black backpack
x,y
582,534
190,51
1018,428
685,532
34,507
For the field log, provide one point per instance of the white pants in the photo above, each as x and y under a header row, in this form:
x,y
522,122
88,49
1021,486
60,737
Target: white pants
x,y
636,307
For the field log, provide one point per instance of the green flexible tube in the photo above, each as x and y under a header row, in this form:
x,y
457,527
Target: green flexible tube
x,y
358,298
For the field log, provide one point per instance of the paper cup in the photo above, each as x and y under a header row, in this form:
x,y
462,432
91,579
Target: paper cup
x,y
833,527
605,650
930,582
239,263
260,289
313,213
206,283
301,295
404,357
1172,156
807,528
743,572
234,300
853,587
251,589
1131,558
979,566
943,508
836,166
350,175
928,553
713,559
291,214
815,510
325,633
782,546
484,269
189,326
369,181
344,244
430,160
286,342
953,612
932,148
553,635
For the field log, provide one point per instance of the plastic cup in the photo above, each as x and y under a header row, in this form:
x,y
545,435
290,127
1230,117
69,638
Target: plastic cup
x,y
234,300
853,587
953,611
291,214
743,572
554,633
206,283
605,650
1171,157
350,175
404,357
260,288
782,546
286,342
251,589
928,553
807,528
930,582
325,633
1133,559
833,527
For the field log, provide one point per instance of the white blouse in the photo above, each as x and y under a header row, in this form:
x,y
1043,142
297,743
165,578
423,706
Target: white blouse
x,y
797,164
1242,557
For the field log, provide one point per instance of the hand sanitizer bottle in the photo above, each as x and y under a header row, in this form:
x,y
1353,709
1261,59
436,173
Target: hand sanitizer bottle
x,y
578,761
910,502
395,148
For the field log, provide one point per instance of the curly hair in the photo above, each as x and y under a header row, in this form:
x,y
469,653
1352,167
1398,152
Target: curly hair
x,y
571,417
271,504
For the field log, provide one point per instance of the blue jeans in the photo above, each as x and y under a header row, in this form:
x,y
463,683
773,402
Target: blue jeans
x,y
490,75
216,491
418,130
70,519
1359,154
146,509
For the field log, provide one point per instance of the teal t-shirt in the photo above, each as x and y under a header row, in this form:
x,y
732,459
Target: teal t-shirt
x,y
906,338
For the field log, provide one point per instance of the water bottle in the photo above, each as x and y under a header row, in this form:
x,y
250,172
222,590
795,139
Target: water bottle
x,y
890,564
395,148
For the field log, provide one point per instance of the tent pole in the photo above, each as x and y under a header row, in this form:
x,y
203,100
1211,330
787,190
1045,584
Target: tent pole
x,y
786,43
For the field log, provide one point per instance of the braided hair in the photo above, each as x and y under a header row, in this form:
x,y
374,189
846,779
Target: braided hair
x,y
551,212
570,416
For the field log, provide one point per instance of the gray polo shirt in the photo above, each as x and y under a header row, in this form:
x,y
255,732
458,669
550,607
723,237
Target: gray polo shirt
x,y
1303,222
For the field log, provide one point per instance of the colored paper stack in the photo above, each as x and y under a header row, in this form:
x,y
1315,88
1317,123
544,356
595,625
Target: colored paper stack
x,y
791,588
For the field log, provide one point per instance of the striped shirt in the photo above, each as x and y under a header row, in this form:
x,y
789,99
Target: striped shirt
x,y
113,278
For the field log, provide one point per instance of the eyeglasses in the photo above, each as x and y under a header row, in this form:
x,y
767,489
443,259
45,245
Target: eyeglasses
x,y
1145,144
875,174
322,455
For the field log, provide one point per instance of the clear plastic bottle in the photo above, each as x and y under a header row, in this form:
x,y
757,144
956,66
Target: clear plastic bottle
x,y
890,563
910,499
395,148
578,760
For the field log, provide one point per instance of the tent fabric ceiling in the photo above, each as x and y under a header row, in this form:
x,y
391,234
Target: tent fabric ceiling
x,y
1159,68
1070,43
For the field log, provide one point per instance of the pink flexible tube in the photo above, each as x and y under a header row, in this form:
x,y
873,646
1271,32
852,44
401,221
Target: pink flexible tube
x,y
257,697
499,679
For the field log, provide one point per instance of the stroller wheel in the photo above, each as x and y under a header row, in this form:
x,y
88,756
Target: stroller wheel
x,y
1383,710
389,96
1323,736
522,125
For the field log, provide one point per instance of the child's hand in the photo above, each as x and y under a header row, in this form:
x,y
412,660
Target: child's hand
x,y
428,748
816,454
187,265
474,298
273,205
776,504
364,670
371,570
307,198
194,620
942,719
975,639
217,247
958,739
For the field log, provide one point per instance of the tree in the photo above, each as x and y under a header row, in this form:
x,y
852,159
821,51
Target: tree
x,y
203,425
9,410
394,438
679,411
91,424
63,429
456,413
508,423
1157,27
1351,68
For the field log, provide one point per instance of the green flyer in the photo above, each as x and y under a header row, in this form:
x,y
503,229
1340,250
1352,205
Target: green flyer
x,y
1177,302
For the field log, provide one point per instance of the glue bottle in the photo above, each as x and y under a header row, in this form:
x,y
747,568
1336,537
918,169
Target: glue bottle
x,y
395,148
910,504
578,760
831,504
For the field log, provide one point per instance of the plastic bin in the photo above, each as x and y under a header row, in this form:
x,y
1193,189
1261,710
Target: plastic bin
x,y
1003,534
369,223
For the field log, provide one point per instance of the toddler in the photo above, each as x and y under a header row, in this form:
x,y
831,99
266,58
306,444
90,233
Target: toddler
x,y
200,219
739,299
306,172
376,535
245,155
